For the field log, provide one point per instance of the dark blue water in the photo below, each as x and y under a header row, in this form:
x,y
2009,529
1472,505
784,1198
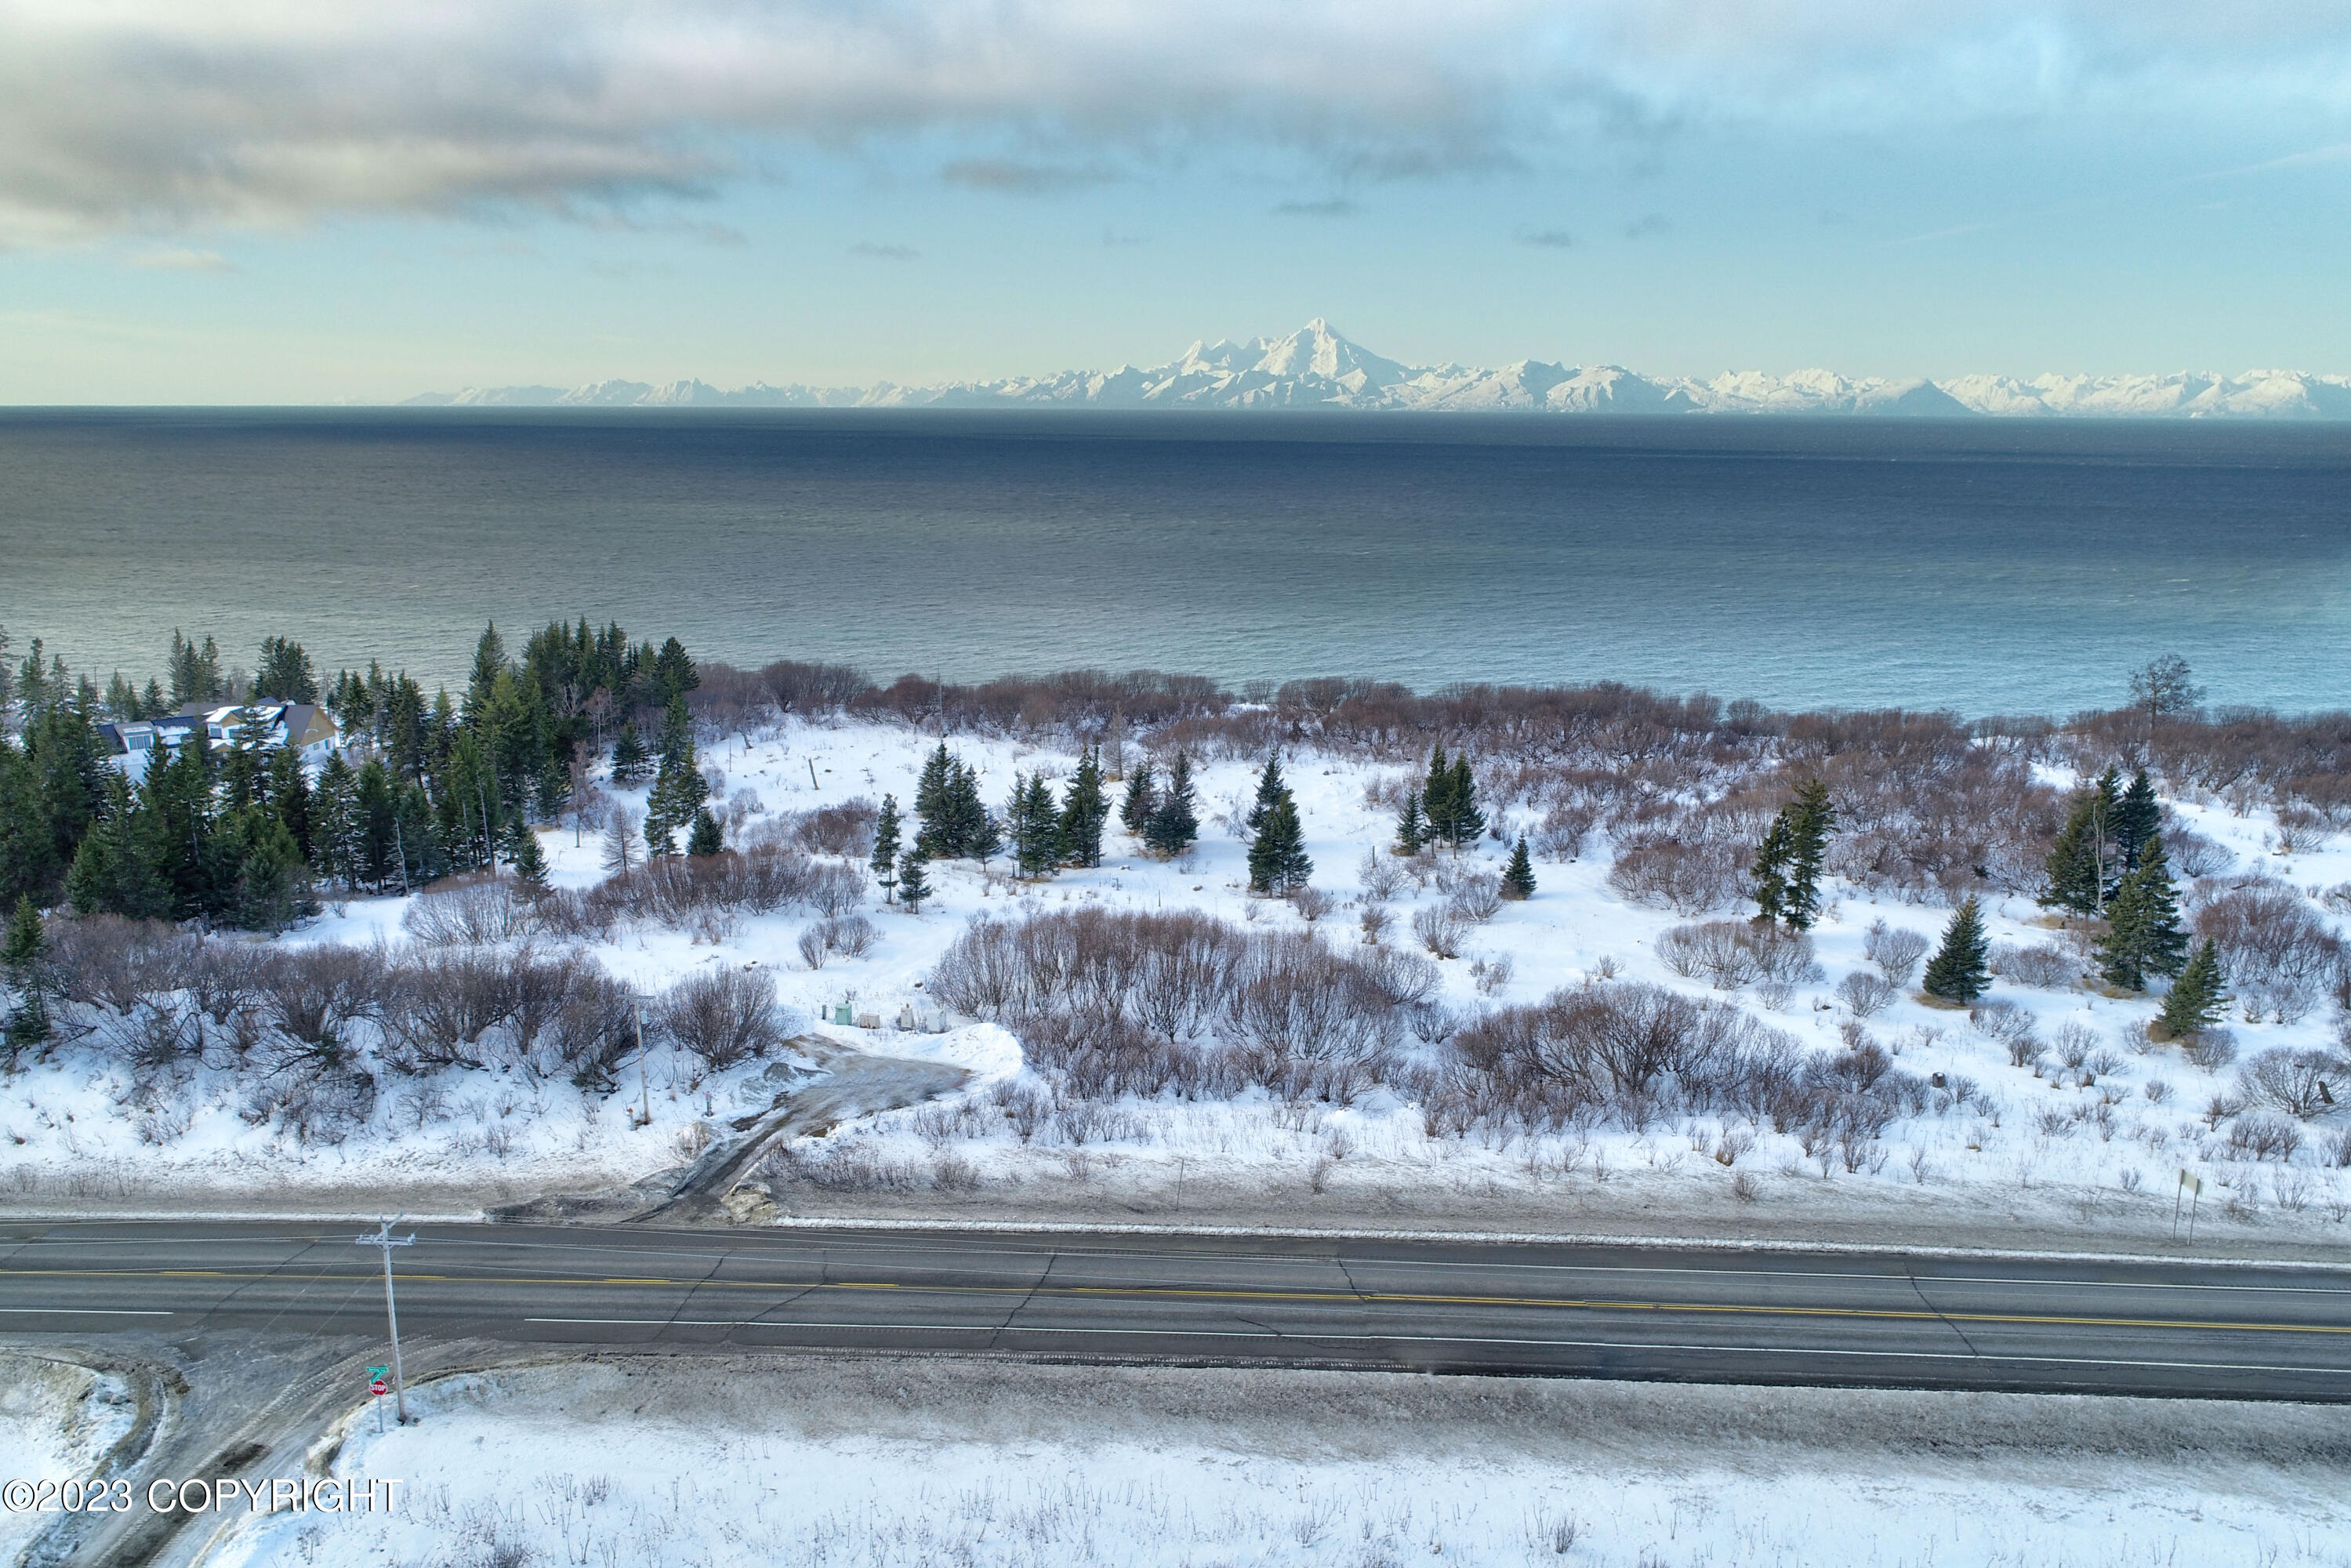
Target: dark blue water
x,y
1987,566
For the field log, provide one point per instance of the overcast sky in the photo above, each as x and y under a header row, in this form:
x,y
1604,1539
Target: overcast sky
x,y
246,199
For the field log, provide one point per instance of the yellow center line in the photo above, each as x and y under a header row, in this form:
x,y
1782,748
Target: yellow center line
x,y
1206,1293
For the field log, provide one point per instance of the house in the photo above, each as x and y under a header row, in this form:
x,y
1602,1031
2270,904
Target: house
x,y
309,728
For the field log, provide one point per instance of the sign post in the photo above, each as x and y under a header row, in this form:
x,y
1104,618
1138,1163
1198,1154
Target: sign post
x,y
2192,1188
377,1390
384,1238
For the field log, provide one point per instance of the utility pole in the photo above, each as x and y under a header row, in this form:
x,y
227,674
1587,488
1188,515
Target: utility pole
x,y
645,1080
384,1238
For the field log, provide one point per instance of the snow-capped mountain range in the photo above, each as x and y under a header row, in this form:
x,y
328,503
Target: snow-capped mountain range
x,y
1315,367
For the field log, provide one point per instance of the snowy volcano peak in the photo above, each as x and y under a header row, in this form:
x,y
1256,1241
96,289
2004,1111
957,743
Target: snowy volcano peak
x,y
1317,367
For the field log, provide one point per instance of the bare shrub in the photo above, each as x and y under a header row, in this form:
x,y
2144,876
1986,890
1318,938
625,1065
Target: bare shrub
x,y
1896,950
2001,1021
1865,993
1493,976
2192,855
1380,875
814,948
2279,955
467,911
1686,878
1720,950
1405,979
850,935
1312,903
2301,830
2298,1082
2043,967
1477,898
2211,1049
313,995
835,890
1375,922
2263,1138
725,1016
1440,929
846,829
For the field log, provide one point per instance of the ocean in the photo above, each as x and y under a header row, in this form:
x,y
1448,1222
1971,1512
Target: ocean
x,y
1984,566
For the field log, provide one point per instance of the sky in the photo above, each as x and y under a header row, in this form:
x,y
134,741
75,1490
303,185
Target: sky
x,y
266,201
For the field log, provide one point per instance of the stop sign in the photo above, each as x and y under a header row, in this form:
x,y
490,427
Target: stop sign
x,y
378,1386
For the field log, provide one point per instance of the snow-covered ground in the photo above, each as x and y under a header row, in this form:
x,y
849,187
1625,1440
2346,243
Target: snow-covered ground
x,y
57,1423
2105,1134
876,1464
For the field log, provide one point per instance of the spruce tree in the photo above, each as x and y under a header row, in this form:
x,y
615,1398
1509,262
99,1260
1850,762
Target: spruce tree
x,y
706,838
883,862
1270,790
338,827
2197,995
1811,817
1035,825
1957,973
678,791
119,868
631,764
1412,828
984,837
1464,821
931,792
913,886
2143,933
272,885
1277,857
2082,865
1174,824
23,964
1085,809
2137,818
1770,871
1436,797
530,862
1141,798
1519,879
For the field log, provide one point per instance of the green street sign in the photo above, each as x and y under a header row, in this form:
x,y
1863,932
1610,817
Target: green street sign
x,y
376,1372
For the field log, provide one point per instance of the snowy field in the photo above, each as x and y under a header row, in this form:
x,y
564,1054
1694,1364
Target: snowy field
x,y
2092,1123
857,1464
57,1423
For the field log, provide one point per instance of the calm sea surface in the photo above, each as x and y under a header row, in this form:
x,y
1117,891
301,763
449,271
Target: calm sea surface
x,y
1988,566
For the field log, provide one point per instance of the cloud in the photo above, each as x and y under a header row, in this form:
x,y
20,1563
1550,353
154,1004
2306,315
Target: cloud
x,y
1549,239
868,250
180,259
1022,179
157,116
1649,225
1333,207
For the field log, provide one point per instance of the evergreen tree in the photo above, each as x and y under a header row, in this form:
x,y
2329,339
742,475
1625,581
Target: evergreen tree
x,y
883,862
913,886
2143,932
679,788
1436,797
337,828
631,764
1270,791
2197,995
1085,811
1141,798
1412,828
1519,881
2081,866
1174,824
983,835
677,727
24,965
273,886
1464,821
29,862
931,797
1957,973
194,673
119,868
523,854
1035,825
968,823
1277,857
1770,872
2137,818
285,675
489,662
1811,817
706,838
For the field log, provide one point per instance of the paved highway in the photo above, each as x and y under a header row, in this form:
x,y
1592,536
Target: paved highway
x,y
2174,1329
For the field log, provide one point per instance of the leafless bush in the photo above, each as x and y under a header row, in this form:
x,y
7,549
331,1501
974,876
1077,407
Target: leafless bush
x,y
2263,1138
1477,898
313,995
1440,929
1999,1020
1380,875
1896,950
1406,979
723,1016
2192,855
2042,965
2301,830
122,964
814,948
1493,976
2298,1082
2279,955
1686,878
1375,922
1720,950
846,829
467,911
2074,1041
850,935
1312,903
2211,1049
1565,828
835,890
1865,993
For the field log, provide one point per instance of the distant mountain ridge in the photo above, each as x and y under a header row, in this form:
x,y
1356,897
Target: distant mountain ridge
x,y
1315,367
